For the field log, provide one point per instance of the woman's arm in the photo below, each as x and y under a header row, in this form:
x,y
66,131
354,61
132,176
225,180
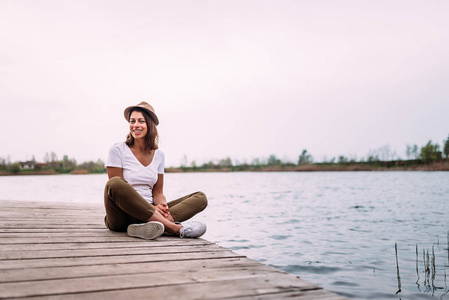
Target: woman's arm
x,y
159,200
114,172
158,191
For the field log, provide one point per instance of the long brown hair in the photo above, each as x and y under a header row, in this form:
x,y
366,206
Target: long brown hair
x,y
151,138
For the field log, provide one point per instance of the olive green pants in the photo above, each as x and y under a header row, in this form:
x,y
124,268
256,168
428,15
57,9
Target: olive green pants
x,y
125,206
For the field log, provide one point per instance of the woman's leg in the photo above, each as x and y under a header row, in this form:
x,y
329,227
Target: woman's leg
x,y
124,206
170,226
186,207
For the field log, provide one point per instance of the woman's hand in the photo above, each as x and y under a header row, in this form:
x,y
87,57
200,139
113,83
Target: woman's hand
x,y
163,209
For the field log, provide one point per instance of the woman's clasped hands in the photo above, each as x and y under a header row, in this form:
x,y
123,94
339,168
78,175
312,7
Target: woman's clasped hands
x,y
163,209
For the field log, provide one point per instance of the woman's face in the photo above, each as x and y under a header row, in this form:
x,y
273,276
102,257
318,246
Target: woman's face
x,y
137,125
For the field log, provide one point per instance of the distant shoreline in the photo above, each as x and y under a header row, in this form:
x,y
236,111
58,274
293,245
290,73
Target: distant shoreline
x,y
318,167
350,167
45,172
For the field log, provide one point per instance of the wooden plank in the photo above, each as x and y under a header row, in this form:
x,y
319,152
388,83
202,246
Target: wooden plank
x,y
53,223
94,239
53,226
45,273
50,205
108,245
28,213
31,231
83,261
142,280
32,218
60,233
6,255
58,240
216,288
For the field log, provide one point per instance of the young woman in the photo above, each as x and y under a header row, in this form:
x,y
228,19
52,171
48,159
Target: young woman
x,y
133,196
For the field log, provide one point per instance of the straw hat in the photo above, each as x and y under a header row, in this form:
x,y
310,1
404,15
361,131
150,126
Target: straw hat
x,y
146,107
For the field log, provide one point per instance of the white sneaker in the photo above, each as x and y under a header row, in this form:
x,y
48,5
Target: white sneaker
x,y
148,231
192,229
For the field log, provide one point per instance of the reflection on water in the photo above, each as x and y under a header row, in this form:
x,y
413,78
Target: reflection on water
x,y
366,235
397,268
434,278
430,272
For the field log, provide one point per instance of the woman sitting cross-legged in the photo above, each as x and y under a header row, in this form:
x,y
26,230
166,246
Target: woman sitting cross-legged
x,y
133,196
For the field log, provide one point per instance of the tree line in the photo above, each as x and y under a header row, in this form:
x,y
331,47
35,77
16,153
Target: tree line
x,y
383,156
52,164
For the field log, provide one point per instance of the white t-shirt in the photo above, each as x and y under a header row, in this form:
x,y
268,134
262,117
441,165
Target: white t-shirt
x,y
141,177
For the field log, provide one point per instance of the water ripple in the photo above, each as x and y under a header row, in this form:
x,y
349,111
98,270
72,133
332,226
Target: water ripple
x,y
310,269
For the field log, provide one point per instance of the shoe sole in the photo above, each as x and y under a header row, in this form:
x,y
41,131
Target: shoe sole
x,y
147,231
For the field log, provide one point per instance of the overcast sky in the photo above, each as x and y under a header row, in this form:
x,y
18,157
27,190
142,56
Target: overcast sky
x,y
243,79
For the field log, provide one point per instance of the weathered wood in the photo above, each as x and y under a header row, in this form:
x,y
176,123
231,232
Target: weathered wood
x,y
55,222
78,239
63,250
103,260
51,230
60,233
108,245
142,280
51,205
20,275
107,252
274,287
106,238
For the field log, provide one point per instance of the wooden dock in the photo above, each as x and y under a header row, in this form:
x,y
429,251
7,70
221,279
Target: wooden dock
x,y
63,250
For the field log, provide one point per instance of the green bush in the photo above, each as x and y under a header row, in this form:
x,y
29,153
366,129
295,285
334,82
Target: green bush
x,y
430,152
15,168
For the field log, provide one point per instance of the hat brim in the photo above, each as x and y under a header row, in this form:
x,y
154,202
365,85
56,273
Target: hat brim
x,y
152,114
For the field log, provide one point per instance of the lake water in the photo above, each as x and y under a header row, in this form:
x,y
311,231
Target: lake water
x,y
335,229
